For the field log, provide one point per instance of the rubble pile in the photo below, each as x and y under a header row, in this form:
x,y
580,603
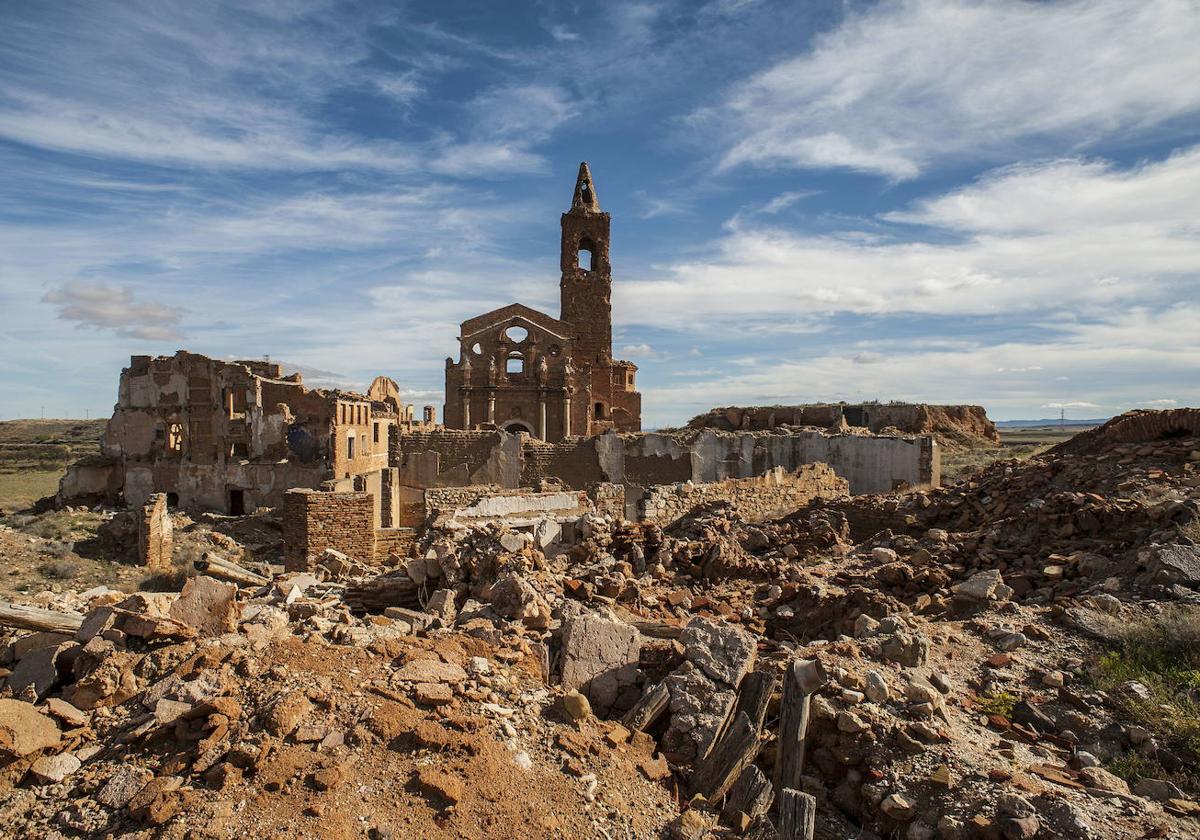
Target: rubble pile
x,y
600,678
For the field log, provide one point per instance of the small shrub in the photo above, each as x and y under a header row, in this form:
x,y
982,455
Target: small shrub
x,y
1163,654
998,703
60,569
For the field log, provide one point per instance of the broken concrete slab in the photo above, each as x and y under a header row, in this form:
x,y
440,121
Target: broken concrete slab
x,y
600,658
723,651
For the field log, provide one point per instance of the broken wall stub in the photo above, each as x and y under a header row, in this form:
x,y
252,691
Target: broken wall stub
x,y
456,458
471,507
155,538
753,499
315,520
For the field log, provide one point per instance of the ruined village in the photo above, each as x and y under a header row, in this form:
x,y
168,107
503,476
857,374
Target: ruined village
x,y
516,614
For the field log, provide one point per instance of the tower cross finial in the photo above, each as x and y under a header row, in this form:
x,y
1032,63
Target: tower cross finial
x,y
585,191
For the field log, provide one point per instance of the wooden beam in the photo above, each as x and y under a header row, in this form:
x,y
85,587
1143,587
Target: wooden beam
x,y
755,696
749,799
217,566
35,618
725,761
802,678
648,708
797,815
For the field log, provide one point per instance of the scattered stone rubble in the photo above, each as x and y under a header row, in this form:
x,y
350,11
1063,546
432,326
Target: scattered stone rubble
x,y
626,681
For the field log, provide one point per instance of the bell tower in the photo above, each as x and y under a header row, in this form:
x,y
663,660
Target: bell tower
x,y
586,284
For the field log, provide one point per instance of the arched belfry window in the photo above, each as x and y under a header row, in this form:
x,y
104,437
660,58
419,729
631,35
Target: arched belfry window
x,y
586,259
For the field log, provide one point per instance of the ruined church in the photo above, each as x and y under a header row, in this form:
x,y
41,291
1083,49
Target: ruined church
x,y
521,370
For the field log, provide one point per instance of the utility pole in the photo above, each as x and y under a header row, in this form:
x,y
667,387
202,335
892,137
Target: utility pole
x,y
1062,417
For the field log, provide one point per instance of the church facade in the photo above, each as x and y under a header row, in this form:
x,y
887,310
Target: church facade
x,y
522,370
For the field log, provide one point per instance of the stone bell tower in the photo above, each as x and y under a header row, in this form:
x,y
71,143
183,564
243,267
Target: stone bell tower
x,y
586,284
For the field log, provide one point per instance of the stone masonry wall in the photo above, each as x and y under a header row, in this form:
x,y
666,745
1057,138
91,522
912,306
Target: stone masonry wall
x,y
774,494
314,521
155,533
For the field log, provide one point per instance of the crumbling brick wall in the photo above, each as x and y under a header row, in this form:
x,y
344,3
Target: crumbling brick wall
x,y
609,499
755,499
314,521
441,499
155,533
398,541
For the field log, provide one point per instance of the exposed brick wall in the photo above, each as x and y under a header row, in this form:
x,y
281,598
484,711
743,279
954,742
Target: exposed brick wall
x,y
314,521
441,499
572,461
398,541
155,533
755,499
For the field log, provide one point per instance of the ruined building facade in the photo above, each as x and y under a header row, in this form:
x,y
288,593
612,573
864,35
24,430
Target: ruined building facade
x,y
233,436
521,370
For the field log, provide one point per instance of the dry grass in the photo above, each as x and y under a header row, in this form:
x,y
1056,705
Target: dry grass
x,y
1163,654
1191,530
20,490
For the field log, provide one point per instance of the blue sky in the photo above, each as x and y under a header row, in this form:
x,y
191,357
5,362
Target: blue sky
x,y
938,201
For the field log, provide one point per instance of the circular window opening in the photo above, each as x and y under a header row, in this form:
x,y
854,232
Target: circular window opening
x,y
477,349
516,334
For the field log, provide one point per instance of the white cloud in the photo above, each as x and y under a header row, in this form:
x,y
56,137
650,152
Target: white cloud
x,y
902,85
785,200
1038,238
105,307
560,33
1113,364
1159,403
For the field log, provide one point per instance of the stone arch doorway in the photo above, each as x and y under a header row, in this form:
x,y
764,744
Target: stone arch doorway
x,y
514,426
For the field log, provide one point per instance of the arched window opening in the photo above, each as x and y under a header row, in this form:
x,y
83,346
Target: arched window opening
x,y
586,258
599,411
477,349
515,364
516,334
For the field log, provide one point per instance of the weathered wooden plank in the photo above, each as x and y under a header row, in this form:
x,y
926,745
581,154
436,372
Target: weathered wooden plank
x,y
35,618
802,678
718,771
797,815
216,566
749,799
648,709
755,696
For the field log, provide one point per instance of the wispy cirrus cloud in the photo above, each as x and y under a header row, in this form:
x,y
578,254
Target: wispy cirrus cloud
x,y
874,94
1037,237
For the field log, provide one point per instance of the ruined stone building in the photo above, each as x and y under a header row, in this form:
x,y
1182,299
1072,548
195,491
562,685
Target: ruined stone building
x,y
233,436
521,370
